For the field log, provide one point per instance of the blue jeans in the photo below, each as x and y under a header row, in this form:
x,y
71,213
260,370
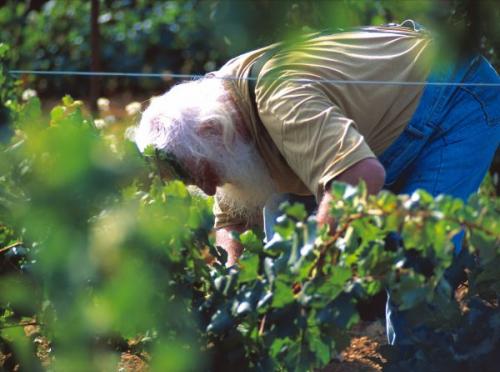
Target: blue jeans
x,y
446,148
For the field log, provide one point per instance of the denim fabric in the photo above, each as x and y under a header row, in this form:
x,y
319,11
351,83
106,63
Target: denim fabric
x,y
446,149
452,137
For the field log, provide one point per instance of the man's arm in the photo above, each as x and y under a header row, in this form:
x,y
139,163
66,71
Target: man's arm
x,y
369,170
224,239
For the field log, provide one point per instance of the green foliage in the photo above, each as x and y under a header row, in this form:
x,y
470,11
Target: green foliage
x,y
101,262
7,92
106,256
136,36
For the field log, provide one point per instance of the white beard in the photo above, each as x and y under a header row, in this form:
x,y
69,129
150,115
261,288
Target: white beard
x,y
248,183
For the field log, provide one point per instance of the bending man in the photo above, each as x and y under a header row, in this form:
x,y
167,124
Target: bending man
x,y
349,106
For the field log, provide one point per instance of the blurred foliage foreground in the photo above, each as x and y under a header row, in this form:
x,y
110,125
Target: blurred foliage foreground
x,y
104,258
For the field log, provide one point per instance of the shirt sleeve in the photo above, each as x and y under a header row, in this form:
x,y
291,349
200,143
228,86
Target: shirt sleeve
x,y
316,138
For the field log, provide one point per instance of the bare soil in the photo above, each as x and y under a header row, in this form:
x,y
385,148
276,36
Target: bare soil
x,y
362,354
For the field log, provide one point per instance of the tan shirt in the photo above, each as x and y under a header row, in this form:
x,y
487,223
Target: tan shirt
x,y
314,129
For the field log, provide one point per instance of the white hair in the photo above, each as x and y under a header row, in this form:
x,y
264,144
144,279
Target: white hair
x,y
249,183
171,122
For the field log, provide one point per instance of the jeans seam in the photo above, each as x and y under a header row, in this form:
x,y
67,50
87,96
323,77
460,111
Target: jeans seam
x,y
478,99
446,93
438,175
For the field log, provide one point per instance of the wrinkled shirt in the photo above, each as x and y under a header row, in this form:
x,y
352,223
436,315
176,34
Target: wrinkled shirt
x,y
314,122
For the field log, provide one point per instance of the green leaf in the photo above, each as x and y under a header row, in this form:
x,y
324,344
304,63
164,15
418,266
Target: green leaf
x,y
149,151
4,49
490,273
410,292
486,244
265,299
342,312
340,275
249,266
283,294
296,210
251,241
67,100
320,349
243,308
57,113
31,113
220,322
285,228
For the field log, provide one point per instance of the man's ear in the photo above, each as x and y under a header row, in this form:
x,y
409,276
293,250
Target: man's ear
x,y
209,128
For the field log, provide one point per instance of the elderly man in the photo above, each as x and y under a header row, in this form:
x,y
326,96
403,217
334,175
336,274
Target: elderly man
x,y
369,104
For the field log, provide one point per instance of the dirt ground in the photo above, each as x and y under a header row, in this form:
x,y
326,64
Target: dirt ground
x,y
362,354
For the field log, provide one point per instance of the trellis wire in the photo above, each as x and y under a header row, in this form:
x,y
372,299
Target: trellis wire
x,y
193,76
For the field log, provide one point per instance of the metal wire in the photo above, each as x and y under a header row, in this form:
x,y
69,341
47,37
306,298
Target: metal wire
x,y
105,74
192,76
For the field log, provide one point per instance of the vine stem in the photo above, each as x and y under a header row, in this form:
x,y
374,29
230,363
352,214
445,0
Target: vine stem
x,y
262,325
10,246
467,224
338,233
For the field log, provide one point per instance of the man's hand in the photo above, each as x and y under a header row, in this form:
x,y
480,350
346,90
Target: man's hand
x,y
224,239
369,170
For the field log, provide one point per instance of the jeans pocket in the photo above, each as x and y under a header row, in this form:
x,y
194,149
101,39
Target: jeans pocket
x,y
487,96
402,152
